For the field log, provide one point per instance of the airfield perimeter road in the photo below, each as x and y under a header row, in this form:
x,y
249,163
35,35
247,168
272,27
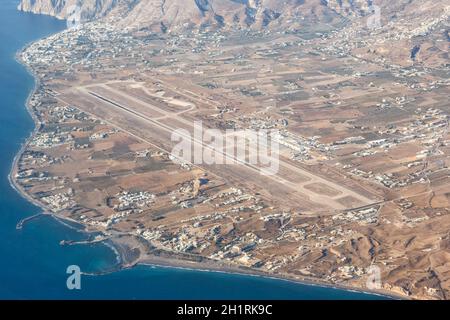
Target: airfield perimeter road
x,y
155,126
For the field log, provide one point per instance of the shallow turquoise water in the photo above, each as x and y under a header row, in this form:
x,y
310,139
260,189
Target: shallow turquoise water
x,y
33,264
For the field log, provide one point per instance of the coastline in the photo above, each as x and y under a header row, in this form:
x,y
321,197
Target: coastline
x,y
157,261
21,9
27,141
14,166
25,144
195,266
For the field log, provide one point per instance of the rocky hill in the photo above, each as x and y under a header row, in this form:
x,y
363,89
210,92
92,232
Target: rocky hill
x,y
175,14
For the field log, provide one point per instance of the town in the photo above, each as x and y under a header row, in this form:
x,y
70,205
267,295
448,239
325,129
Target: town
x,y
364,144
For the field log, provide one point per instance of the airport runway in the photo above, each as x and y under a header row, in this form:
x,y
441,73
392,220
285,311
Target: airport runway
x,y
292,181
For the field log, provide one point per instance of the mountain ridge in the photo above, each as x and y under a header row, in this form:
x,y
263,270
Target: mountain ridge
x,y
176,14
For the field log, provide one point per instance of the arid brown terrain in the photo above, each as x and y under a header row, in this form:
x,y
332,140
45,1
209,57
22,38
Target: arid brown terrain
x,y
363,121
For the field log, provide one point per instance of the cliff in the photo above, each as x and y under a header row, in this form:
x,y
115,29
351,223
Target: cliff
x,y
90,9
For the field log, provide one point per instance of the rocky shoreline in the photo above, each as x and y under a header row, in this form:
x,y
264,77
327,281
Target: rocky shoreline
x,y
122,251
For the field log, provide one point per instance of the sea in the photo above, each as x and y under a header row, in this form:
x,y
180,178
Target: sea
x,y
33,264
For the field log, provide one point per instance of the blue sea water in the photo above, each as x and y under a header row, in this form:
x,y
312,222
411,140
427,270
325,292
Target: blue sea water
x,y
33,264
